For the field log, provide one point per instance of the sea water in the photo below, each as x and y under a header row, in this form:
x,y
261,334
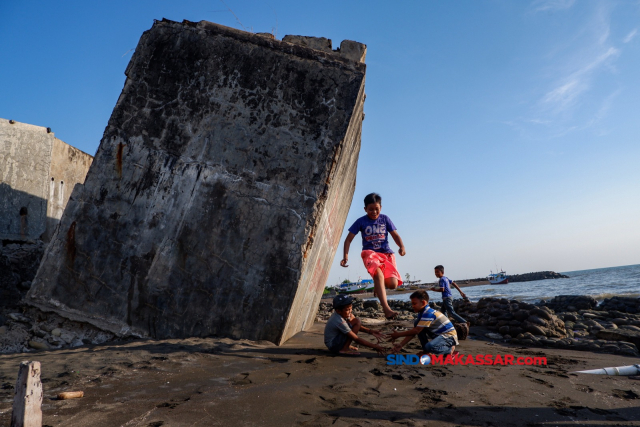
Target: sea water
x,y
599,283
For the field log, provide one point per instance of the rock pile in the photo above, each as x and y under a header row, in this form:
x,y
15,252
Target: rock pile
x,y
370,309
539,325
623,304
571,303
34,330
538,275
511,318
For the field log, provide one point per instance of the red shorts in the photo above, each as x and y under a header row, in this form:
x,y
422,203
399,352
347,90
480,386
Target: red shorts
x,y
385,262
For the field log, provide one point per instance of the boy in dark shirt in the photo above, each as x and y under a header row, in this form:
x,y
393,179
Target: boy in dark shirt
x,y
342,329
376,253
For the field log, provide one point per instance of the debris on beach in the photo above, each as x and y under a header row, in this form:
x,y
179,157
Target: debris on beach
x,y
618,370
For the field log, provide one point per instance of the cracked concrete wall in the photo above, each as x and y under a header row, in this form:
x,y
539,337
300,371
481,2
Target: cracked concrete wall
x,y
37,173
69,166
218,195
25,159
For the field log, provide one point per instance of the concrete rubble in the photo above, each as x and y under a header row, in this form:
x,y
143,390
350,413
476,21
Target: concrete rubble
x,y
219,192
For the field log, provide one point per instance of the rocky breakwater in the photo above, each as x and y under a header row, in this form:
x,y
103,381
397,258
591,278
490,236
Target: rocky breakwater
x,y
623,304
538,275
540,325
511,318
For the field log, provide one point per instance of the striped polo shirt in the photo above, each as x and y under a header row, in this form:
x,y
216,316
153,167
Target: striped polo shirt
x,y
434,324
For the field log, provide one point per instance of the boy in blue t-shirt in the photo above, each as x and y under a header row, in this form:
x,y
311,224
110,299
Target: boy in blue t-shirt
x,y
447,297
376,254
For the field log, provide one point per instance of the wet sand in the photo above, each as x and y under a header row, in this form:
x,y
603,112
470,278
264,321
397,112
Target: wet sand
x,y
208,382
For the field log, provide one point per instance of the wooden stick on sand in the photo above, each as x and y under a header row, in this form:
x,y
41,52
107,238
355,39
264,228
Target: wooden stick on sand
x,y
70,395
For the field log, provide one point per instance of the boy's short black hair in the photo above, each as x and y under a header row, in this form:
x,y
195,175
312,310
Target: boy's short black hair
x,y
421,294
439,268
372,198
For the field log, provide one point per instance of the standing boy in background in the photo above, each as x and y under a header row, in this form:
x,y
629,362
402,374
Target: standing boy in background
x,y
376,253
447,297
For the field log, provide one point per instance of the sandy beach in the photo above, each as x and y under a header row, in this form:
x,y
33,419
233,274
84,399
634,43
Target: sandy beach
x,y
207,382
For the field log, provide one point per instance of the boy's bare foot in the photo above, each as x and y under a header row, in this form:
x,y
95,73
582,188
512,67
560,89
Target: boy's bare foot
x,y
353,348
390,315
349,353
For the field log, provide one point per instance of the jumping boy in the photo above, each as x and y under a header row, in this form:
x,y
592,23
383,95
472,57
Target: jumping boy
x,y
435,331
447,297
377,256
342,329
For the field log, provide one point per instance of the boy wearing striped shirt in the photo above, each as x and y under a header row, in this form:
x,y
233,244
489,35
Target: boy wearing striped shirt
x,y
435,331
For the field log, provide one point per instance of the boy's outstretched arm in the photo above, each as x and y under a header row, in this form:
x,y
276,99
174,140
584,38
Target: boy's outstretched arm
x,y
366,343
408,337
398,240
347,244
462,294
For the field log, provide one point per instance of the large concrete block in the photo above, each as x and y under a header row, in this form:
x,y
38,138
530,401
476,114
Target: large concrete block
x,y
219,193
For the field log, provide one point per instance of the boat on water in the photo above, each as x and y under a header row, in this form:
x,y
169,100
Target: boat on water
x,y
499,278
358,287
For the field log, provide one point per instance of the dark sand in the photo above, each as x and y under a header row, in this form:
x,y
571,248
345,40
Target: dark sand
x,y
208,382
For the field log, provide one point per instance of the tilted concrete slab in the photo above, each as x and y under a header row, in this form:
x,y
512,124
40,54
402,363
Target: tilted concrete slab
x,y
219,193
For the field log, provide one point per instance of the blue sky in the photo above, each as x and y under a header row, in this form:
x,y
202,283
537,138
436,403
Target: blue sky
x,y
497,132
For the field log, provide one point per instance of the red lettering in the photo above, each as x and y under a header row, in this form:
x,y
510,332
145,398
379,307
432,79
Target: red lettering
x,y
480,359
470,360
508,359
437,358
498,360
488,359
448,360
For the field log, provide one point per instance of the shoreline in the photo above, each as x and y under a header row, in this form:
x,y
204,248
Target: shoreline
x,y
391,293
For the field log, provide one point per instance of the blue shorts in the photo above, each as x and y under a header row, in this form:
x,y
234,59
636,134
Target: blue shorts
x,y
439,345
337,343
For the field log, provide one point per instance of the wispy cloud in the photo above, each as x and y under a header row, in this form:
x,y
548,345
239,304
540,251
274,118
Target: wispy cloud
x,y
576,85
630,36
551,5
567,91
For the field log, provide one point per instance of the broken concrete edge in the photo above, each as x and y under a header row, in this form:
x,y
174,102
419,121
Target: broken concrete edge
x,y
352,55
116,328
350,49
339,160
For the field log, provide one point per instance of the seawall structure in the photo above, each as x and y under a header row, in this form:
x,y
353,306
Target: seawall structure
x,y
220,189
